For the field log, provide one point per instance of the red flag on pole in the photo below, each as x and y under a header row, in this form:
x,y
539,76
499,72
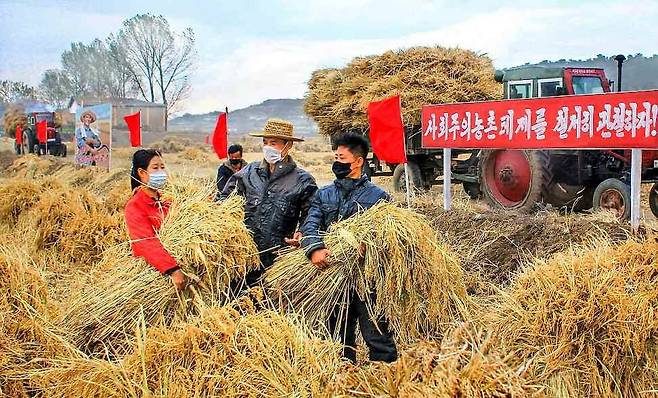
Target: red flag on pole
x,y
220,136
19,135
42,131
134,123
387,130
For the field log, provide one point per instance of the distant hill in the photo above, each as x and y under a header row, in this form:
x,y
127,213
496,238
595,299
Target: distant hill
x,y
638,73
252,118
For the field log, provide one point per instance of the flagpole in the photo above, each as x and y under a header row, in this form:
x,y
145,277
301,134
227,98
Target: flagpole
x,y
406,164
226,109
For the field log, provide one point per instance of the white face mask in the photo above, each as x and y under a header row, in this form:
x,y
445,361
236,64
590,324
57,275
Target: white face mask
x,y
272,155
157,179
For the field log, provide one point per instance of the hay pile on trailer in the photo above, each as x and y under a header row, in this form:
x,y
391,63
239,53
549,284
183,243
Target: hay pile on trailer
x,y
583,322
387,250
337,99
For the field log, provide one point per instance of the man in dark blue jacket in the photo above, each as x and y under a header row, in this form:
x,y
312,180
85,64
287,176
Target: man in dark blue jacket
x,y
350,193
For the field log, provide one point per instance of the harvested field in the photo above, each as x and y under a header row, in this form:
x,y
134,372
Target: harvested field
x,y
557,306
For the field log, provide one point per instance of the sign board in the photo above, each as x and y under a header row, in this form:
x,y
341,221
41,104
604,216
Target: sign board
x,y
93,136
596,121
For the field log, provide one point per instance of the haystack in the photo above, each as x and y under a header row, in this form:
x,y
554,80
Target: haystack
x,y
465,365
210,243
337,99
417,280
584,322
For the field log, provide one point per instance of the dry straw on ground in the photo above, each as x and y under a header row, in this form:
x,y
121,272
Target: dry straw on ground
x,y
465,365
337,99
584,321
417,280
220,353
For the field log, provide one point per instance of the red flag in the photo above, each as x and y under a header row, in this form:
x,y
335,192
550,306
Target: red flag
x,y
386,130
220,137
134,123
42,131
19,135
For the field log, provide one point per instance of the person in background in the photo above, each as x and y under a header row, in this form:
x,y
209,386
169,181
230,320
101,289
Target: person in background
x,y
145,212
233,164
350,193
277,194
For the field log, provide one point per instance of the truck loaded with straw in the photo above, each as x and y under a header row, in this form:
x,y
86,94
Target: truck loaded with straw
x,y
337,100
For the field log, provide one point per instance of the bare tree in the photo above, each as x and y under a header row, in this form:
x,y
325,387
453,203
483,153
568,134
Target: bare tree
x,y
16,92
159,59
55,88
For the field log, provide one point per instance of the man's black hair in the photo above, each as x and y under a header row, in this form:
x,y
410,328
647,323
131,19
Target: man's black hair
x,y
141,160
235,148
355,143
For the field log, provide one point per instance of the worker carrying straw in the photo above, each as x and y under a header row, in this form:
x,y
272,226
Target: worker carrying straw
x,y
350,193
277,194
145,213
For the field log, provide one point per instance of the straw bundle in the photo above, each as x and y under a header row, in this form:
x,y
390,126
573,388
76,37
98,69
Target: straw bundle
x,y
465,365
17,196
211,245
14,116
337,99
584,321
210,238
417,280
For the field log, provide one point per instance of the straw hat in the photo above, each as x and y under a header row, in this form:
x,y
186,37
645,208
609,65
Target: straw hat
x,y
91,113
277,128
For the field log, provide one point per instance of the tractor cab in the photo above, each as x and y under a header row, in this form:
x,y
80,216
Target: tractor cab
x,y
30,142
538,81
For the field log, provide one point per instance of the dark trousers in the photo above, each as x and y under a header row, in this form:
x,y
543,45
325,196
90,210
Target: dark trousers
x,y
381,346
253,277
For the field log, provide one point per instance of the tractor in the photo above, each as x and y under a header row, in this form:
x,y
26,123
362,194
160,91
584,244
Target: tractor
x,y
521,179
53,144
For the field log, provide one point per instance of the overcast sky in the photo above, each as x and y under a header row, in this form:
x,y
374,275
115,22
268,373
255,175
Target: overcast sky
x,y
250,51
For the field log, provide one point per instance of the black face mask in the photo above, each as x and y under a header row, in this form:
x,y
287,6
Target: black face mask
x,y
235,162
341,170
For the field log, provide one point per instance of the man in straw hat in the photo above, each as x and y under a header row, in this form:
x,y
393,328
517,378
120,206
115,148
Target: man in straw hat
x,y
85,134
350,193
277,193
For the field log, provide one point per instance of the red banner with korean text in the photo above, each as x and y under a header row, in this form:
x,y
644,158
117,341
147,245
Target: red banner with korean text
x,y
611,120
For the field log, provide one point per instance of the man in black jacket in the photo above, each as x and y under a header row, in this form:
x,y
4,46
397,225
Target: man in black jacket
x,y
350,193
233,164
277,194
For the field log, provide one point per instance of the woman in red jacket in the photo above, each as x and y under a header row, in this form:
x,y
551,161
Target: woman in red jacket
x,y
145,213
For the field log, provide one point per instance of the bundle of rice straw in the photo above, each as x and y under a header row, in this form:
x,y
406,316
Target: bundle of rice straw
x,y
584,322
211,245
17,196
465,365
220,353
337,99
417,280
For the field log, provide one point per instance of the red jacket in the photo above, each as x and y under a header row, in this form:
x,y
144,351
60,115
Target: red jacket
x,y
144,217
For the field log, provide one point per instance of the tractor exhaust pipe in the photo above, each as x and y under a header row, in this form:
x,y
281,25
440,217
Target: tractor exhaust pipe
x,y
620,60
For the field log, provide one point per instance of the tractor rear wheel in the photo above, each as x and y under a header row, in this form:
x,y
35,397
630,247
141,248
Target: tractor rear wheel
x,y
514,179
615,196
653,199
